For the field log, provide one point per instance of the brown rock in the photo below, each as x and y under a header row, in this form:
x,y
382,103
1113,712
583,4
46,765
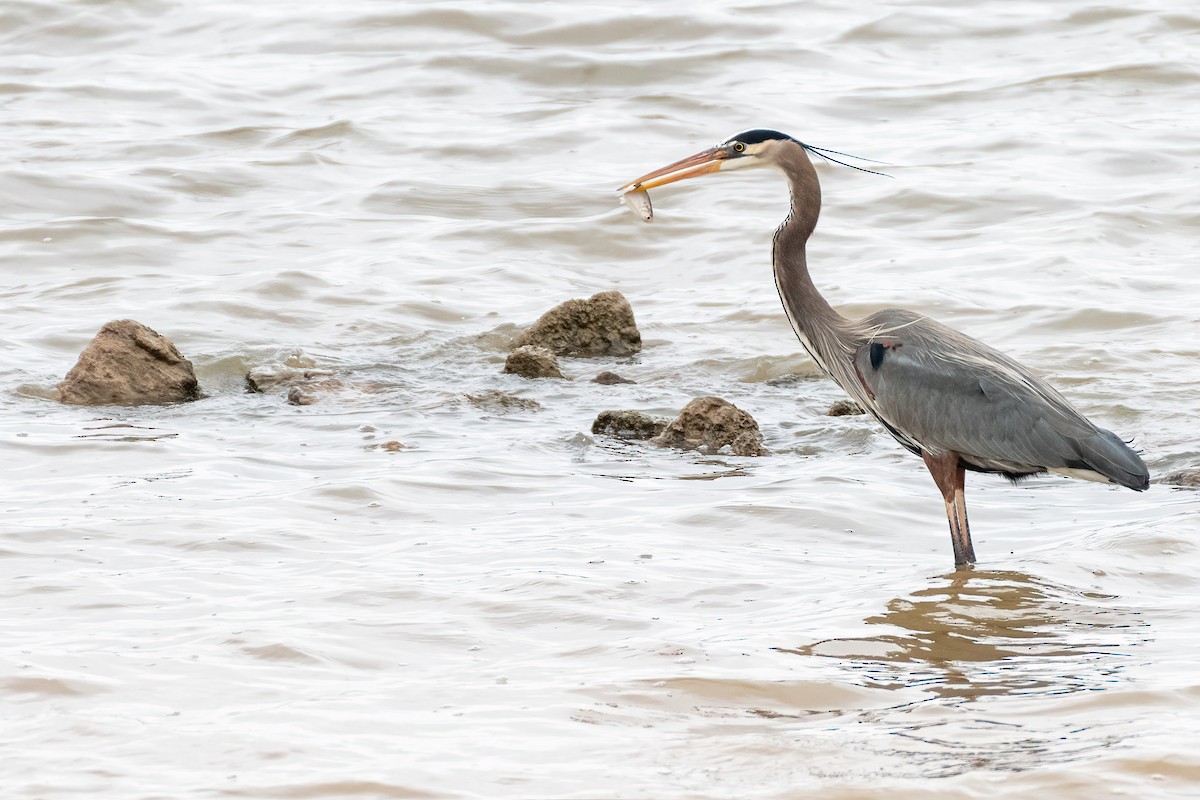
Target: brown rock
x,y
602,325
128,364
629,424
1181,477
609,378
710,423
844,408
532,361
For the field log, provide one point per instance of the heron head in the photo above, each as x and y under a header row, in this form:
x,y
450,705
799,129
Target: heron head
x,y
756,148
753,148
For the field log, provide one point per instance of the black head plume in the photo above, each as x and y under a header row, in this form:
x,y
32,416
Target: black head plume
x,y
824,153
760,135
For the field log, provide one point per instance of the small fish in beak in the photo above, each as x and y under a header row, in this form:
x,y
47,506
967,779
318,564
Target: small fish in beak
x,y
638,201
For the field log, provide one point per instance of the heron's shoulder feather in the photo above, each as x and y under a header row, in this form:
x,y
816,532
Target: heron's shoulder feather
x,y
916,347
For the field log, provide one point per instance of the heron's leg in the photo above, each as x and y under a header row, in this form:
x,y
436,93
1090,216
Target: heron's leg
x,y
960,531
951,479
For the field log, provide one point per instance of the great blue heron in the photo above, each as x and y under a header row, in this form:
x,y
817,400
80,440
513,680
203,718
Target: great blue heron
x,y
944,396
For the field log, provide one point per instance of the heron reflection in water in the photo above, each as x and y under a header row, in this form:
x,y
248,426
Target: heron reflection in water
x,y
945,396
991,632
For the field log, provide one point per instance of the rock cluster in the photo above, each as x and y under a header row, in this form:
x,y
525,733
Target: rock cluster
x,y
128,364
707,424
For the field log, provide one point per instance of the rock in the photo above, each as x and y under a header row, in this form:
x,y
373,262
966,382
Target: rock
x,y
269,378
391,446
128,364
532,361
710,423
609,378
303,387
1181,477
602,325
844,408
629,424
502,402
300,397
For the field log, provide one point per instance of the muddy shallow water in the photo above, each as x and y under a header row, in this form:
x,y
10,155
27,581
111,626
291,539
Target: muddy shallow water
x,y
243,598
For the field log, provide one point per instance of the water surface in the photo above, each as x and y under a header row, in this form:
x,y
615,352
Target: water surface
x,y
245,599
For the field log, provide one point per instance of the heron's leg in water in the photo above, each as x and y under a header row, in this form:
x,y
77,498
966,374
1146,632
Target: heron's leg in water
x,y
951,479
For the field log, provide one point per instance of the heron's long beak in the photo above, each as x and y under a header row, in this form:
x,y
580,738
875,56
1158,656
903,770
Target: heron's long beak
x,y
700,164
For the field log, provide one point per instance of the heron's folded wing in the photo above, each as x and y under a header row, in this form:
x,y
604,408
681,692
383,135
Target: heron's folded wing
x,y
947,391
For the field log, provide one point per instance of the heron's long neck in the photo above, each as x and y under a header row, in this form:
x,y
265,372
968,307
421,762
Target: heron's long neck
x,y
814,320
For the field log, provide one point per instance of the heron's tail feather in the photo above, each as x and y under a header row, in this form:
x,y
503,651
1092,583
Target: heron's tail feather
x,y
1107,454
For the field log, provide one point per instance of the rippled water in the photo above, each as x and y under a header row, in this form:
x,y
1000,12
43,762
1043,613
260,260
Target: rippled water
x,y
243,598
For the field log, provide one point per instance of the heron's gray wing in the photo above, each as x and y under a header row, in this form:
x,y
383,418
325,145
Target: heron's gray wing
x,y
945,391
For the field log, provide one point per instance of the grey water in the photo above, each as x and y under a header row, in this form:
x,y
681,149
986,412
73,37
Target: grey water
x,y
242,598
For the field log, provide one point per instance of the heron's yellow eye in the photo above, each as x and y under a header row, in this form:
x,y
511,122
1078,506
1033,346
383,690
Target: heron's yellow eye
x,y
738,147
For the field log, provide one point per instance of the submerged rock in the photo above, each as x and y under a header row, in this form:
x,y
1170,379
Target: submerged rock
x,y
302,386
602,325
629,424
128,364
269,378
301,397
581,440
502,402
844,408
1181,477
609,378
532,361
710,423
